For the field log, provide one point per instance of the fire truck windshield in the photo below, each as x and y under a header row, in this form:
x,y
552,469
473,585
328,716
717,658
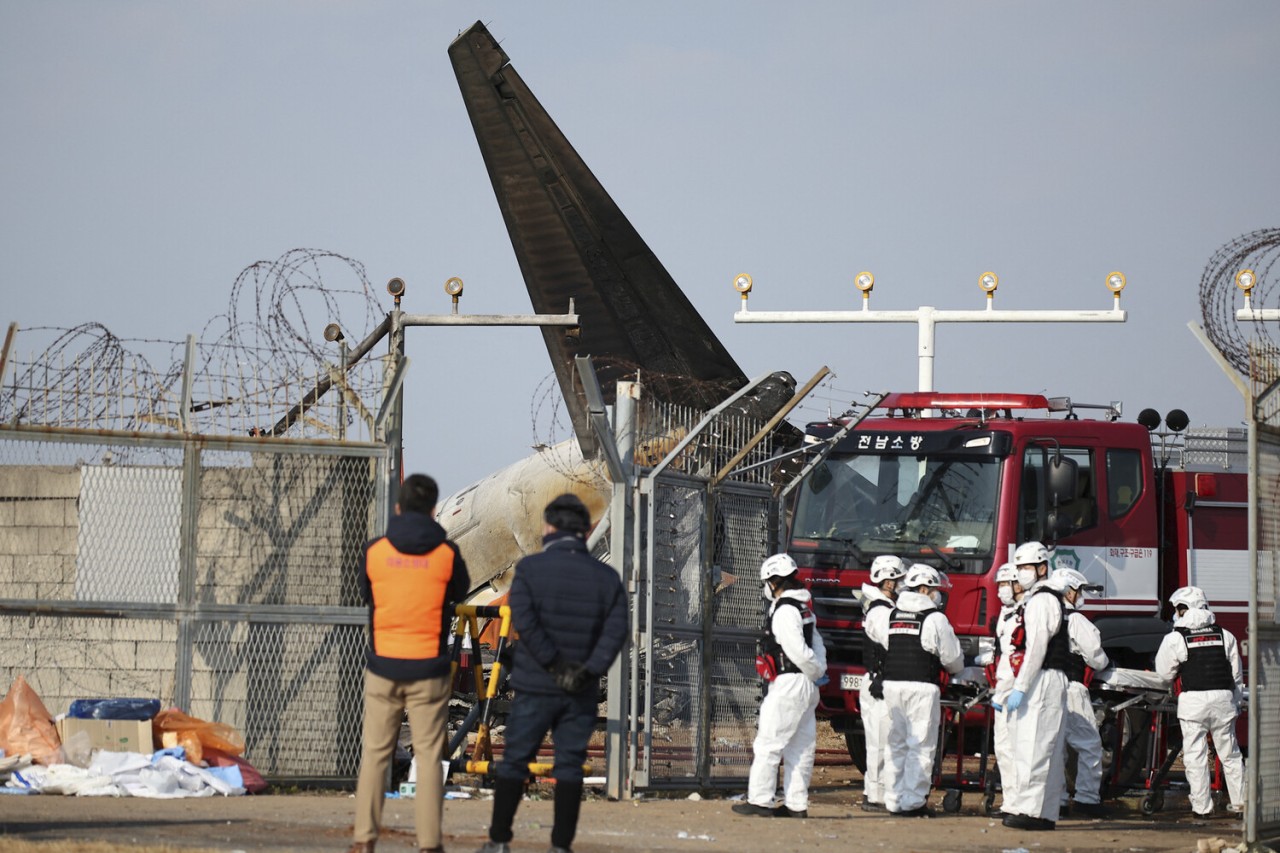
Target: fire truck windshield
x,y
934,508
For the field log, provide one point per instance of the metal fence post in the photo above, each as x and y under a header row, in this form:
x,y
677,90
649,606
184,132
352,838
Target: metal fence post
x,y
621,523
184,613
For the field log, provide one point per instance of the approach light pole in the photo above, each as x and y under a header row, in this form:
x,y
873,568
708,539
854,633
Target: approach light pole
x,y
388,424
926,317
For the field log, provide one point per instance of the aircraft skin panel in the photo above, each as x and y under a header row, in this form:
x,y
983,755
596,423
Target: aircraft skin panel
x,y
572,240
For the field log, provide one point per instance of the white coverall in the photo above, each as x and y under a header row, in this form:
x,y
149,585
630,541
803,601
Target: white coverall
x,y
1002,741
915,709
1037,727
1204,713
875,716
787,731
1081,725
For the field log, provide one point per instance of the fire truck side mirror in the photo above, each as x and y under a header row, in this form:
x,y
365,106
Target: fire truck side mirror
x,y
1062,480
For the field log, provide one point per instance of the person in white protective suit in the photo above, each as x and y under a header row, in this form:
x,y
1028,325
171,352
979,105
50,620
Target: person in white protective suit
x,y
796,660
877,603
1010,593
1080,723
919,643
1206,658
1037,704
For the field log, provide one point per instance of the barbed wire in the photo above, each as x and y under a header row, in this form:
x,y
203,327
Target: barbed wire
x,y
252,362
1240,343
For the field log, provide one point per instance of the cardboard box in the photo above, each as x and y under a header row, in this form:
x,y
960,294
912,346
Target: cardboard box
x,y
111,735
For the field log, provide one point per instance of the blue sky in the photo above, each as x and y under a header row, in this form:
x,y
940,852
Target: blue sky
x,y
152,150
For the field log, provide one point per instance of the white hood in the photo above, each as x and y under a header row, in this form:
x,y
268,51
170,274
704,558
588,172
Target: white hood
x,y
871,592
1193,619
914,602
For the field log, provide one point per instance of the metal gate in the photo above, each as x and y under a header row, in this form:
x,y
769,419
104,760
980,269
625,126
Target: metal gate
x,y
215,574
1263,766
702,534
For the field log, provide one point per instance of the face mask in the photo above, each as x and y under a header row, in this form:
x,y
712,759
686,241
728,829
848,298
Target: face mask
x,y
1027,577
1005,594
935,596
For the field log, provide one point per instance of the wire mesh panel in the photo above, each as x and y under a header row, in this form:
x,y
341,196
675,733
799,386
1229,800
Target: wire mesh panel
x,y
215,575
283,528
1264,646
701,694
293,690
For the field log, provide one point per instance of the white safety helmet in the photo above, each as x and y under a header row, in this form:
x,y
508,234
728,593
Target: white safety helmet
x,y
1191,596
777,566
921,575
887,567
1065,579
1007,573
1030,554
1068,579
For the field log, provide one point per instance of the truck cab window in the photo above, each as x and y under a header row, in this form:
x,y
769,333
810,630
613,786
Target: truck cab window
x,y
1076,506
1124,481
934,508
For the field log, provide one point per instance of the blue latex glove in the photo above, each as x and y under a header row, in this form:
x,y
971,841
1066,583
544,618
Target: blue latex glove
x,y
997,706
824,680
1014,702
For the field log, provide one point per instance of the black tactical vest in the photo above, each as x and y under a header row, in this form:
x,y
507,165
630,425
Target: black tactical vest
x,y
907,659
1058,654
1207,666
769,644
1076,664
872,652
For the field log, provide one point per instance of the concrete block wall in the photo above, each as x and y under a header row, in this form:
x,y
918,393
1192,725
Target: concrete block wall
x,y
39,526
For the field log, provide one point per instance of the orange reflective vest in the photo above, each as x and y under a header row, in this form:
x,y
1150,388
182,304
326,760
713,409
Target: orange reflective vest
x,y
408,600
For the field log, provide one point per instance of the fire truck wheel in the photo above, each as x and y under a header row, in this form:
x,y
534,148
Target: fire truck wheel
x,y
856,743
951,801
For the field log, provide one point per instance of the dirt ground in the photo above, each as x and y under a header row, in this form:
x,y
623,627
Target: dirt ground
x,y
320,821
317,822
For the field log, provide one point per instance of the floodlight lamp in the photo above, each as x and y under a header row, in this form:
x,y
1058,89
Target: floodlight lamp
x,y
396,287
742,283
453,286
1115,282
1177,420
864,282
333,332
988,281
1246,280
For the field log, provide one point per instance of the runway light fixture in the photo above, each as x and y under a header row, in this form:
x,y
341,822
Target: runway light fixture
x,y
864,281
333,332
988,282
1115,282
1246,280
453,287
396,288
742,284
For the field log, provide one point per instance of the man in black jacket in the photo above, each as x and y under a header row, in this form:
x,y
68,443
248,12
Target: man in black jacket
x,y
571,614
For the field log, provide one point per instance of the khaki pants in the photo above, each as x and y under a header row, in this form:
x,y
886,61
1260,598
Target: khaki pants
x,y
427,704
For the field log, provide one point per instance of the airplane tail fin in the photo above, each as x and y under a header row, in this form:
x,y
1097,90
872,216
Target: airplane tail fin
x,y
572,241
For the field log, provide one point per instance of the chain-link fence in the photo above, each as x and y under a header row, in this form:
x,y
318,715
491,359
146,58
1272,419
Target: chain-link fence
x,y
217,575
1263,824
706,524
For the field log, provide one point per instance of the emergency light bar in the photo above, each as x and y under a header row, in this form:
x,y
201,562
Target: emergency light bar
x,y
937,400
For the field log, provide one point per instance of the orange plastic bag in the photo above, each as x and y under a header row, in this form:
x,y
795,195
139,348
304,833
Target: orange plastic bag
x,y
26,726
217,736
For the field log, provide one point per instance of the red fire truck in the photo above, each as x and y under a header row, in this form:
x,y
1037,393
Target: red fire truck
x,y
956,481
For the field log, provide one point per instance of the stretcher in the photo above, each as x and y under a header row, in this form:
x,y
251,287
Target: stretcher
x,y
1140,726
1145,706
966,715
